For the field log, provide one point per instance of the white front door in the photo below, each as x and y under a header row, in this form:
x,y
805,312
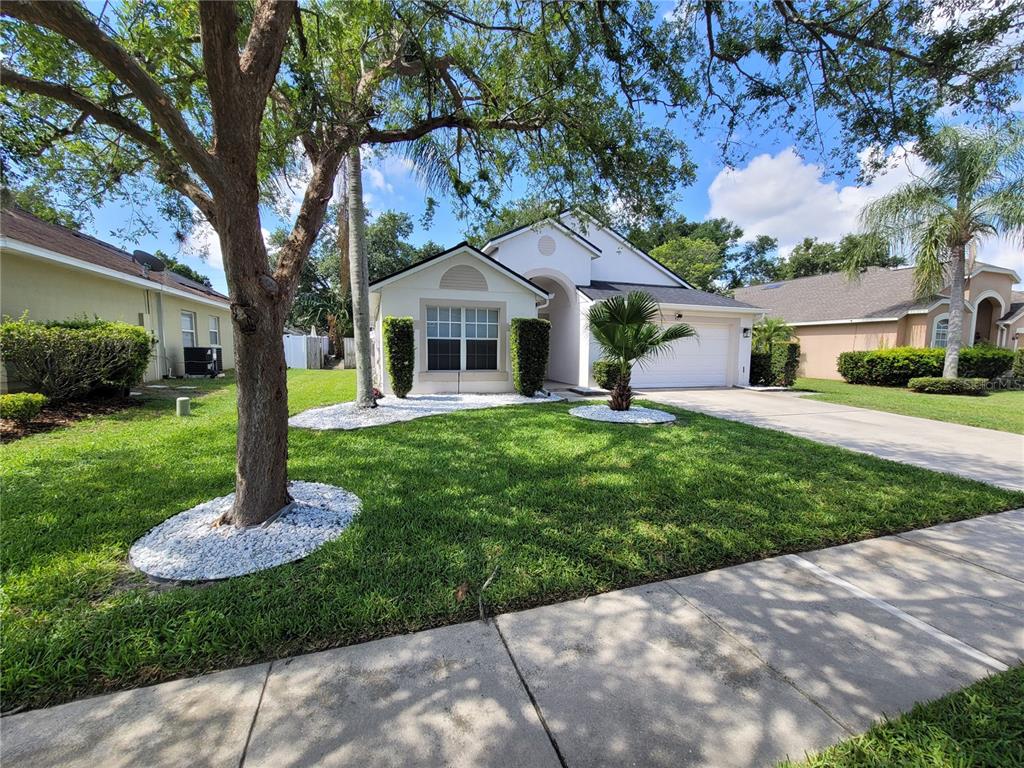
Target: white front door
x,y
700,362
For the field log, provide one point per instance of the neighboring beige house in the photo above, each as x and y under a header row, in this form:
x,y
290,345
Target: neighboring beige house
x,y
833,314
462,301
56,273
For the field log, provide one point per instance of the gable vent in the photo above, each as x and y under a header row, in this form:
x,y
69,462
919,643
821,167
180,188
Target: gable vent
x,y
546,245
464,278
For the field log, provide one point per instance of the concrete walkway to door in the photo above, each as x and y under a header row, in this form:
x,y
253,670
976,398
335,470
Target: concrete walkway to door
x,y
980,454
734,668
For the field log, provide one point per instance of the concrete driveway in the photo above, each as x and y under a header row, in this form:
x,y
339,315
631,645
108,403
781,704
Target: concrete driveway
x,y
980,454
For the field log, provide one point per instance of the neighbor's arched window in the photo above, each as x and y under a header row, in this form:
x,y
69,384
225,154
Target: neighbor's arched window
x,y
940,331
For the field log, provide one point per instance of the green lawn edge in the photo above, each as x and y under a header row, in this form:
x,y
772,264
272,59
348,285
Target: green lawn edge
x,y
562,507
981,725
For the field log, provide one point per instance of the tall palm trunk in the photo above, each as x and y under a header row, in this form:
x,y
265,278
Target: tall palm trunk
x,y
955,330
360,279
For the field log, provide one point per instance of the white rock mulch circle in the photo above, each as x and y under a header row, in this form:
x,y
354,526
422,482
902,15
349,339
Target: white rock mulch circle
x,y
393,409
188,547
635,415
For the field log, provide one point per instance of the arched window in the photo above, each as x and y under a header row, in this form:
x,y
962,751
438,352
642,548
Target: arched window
x,y
940,331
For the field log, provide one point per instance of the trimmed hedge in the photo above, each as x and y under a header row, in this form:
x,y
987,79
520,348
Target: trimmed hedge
x,y
22,407
74,359
936,385
529,341
399,353
897,366
606,373
777,367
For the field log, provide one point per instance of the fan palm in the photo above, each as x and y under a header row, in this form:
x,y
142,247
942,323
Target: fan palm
x,y
624,327
771,331
974,189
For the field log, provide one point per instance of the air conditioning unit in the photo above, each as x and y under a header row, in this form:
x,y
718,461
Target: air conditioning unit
x,y
203,361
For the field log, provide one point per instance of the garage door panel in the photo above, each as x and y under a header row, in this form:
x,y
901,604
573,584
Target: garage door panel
x,y
700,362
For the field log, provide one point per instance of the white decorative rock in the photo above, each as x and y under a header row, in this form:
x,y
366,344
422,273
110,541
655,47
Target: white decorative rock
x,y
391,409
635,415
187,547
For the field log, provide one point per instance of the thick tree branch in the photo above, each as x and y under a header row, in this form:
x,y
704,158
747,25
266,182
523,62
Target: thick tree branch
x,y
71,21
428,125
168,165
267,36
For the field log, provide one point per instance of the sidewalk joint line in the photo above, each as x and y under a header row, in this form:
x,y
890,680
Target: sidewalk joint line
x,y
752,650
255,714
529,694
891,609
946,553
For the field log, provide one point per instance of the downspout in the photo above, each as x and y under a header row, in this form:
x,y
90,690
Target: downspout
x,y
161,364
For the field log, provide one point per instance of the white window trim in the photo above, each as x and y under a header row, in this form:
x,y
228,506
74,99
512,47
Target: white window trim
x,y
212,342
935,324
463,346
194,331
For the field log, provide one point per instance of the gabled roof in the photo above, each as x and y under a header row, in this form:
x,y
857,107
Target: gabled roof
x,y
462,247
20,226
557,224
1016,307
663,294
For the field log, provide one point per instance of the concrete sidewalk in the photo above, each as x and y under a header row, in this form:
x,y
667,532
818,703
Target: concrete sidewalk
x,y
737,667
980,454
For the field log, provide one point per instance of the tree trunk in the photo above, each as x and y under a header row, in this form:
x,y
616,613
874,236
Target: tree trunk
x,y
955,333
622,393
360,279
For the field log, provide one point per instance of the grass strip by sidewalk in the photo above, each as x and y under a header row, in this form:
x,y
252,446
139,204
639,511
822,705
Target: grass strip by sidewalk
x,y
563,508
979,726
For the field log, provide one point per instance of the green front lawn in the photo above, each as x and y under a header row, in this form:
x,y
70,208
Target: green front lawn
x,y
982,725
558,506
998,410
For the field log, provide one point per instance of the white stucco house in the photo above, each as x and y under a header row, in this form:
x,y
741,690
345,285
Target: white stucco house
x,y
463,299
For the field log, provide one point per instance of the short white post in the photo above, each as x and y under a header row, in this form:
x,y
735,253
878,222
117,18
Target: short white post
x,y
184,406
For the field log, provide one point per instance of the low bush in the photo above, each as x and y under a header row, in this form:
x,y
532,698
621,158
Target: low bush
x,y
936,385
529,341
606,373
775,367
22,407
74,359
399,353
984,361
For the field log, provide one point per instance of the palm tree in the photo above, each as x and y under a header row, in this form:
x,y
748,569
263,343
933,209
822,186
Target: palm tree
x,y
974,189
769,332
624,327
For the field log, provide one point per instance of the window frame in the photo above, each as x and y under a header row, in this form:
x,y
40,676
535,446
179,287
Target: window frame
x,y
939,319
194,330
492,323
214,321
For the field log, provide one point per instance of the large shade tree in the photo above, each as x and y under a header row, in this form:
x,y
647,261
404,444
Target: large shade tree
x,y
973,190
213,102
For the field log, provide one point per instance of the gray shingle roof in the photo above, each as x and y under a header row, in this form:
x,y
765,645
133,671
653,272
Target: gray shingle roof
x,y
1016,304
877,293
664,294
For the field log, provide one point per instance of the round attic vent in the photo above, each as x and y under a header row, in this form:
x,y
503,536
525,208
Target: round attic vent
x,y
546,245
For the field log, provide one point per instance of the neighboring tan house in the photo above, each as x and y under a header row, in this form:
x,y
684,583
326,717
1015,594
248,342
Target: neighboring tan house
x,y
57,273
463,299
833,314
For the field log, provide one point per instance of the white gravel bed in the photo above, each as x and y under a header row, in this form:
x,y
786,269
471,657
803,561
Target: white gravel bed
x,y
635,415
187,547
392,409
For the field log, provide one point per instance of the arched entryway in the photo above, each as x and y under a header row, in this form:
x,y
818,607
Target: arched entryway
x,y
563,312
988,310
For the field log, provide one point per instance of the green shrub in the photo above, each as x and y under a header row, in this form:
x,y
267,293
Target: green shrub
x,y
777,367
529,341
399,353
760,368
891,367
63,361
606,373
936,385
984,361
21,406
1018,364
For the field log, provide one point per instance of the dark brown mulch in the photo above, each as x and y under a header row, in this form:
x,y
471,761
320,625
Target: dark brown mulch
x,y
65,414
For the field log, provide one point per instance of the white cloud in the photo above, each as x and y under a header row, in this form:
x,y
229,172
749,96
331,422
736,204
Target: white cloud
x,y
783,196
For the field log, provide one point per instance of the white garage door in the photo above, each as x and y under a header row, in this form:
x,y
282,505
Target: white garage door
x,y
701,362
